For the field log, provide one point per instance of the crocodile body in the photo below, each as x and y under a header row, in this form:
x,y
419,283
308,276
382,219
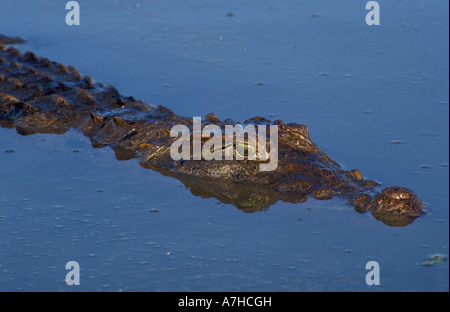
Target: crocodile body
x,y
41,96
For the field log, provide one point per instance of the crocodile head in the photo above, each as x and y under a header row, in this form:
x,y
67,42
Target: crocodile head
x,y
302,170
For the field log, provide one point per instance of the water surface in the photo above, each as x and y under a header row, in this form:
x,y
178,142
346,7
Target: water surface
x,y
360,89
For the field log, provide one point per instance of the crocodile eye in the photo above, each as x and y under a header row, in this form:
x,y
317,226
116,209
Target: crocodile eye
x,y
247,149
226,149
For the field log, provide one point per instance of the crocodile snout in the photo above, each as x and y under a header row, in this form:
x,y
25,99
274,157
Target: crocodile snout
x,y
398,201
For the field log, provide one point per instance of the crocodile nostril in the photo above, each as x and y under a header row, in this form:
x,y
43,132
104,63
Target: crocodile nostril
x,y
398,193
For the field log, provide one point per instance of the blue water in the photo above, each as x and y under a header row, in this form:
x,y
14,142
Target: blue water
x,y
358,88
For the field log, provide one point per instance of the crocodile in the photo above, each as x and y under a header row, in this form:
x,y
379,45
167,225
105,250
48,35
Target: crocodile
x,y
42,96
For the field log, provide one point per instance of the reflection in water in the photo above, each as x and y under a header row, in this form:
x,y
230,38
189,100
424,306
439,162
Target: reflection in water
x,y
250,198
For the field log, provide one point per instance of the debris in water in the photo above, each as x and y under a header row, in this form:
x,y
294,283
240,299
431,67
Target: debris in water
x,y
434,259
